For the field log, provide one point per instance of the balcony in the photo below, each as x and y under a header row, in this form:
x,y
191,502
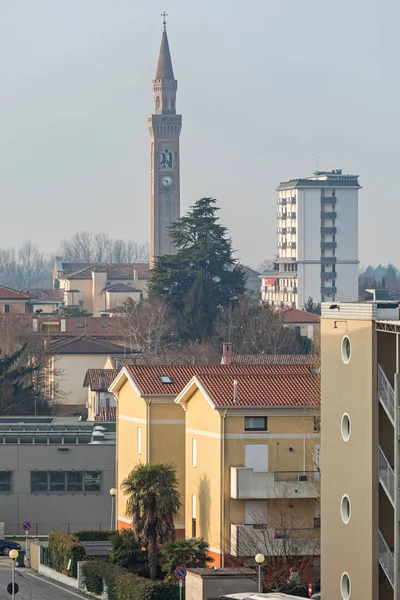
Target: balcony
x,y
282,201
291,229
282,245
248,540
328,230
247,484
328,245
291,245
328,215
291,200
386,475
328,275
281,216
328,199
328,291
291,215
386,559
386,394
282,230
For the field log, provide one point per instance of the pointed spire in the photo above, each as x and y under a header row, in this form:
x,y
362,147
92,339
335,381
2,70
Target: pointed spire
x,y
164,65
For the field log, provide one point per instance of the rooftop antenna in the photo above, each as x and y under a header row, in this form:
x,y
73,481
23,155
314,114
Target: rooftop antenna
x,y
164,16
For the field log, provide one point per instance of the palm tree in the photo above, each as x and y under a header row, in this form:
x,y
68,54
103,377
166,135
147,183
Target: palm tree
x,y
153,504
127,550
189,553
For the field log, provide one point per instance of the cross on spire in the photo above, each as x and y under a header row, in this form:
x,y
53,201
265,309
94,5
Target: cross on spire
x,y
164,16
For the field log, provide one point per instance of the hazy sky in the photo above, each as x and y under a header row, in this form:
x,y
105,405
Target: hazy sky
x,y
264,88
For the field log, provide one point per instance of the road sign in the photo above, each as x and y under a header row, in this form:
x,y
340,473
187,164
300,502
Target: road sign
x,y
10,588
26,525
180,572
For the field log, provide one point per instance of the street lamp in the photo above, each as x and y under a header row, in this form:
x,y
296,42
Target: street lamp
x,y
113,493
259,558
13,555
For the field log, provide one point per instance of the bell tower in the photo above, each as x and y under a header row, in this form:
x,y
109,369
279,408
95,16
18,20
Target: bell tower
x,y
165,128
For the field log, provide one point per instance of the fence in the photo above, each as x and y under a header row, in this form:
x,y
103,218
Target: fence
x,y
44,528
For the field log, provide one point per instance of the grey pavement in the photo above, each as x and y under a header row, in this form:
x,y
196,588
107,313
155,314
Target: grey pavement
x,y
42,588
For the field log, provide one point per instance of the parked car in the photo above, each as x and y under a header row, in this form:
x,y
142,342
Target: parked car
x,y
7,545
316,596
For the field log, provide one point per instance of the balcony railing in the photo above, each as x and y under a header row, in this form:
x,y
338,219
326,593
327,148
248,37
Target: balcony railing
x,y
328,215
385,393
247,540
328,230
328,245
328,275
386,475
328,200
281,216
247,484
386,559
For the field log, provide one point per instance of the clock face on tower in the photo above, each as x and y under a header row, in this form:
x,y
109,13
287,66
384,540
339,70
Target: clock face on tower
x,y
166,181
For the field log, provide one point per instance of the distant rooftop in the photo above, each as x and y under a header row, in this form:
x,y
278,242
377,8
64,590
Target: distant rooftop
x,y
53,430
334,178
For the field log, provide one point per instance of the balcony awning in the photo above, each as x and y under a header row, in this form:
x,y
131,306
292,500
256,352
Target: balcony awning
x,y
270,281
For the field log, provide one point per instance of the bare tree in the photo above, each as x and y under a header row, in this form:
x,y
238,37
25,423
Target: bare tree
x,y
25,267
285,532
87,247
256,329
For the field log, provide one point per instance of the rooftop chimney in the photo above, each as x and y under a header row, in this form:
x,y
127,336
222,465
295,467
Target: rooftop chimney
x,y
226,354
235,385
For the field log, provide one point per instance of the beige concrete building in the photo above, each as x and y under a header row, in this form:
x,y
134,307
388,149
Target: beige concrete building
x,y
97,287
12,301
165,128
360,450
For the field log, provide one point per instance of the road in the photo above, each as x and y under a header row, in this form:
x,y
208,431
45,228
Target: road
x,y
42,589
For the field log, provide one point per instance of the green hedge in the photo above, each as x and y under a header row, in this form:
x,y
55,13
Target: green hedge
x,y
94,535
131,587
97,571
123,585
63,548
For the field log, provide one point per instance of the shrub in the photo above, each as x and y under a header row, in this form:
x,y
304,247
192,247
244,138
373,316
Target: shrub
x,y
97,572
94,535
131,587
63,548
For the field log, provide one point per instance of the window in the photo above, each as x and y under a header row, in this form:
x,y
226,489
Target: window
x,y
345,509
194,452
317,522
39,481
346,349
92,481
7,308
194,528
165,379
255,424
57,481
5,481
64,481
74,481
139,440
345,586
346,427
317,424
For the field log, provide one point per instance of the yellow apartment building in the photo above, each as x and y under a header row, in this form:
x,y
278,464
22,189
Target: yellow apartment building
x,y
360,354
252,464
151,425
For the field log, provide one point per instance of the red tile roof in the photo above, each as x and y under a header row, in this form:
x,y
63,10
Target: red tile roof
x,y
121,287
118,362
99,380
273,359
294,315
148,377
7,293
113,270
285,389
46,295
84,345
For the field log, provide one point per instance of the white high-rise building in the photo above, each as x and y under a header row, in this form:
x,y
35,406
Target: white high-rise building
x,y
317,241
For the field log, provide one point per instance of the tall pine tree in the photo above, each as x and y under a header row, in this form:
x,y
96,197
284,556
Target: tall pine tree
x,y
203,261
